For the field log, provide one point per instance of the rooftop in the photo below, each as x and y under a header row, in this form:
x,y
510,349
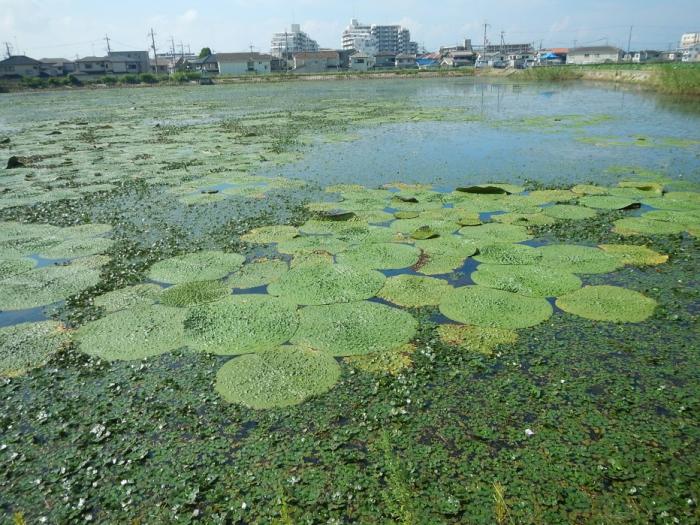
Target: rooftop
x,y
20,60
594,49
317,54
240,57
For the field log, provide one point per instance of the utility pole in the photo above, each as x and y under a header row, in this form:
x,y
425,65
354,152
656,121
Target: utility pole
x,y
503,42
155,54
629,41
486,26
109,48
172,46
8,49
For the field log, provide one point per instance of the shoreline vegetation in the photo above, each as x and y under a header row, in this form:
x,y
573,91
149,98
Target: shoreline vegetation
x,y
671,79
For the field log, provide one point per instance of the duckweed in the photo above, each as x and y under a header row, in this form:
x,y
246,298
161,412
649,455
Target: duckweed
x,y
483,340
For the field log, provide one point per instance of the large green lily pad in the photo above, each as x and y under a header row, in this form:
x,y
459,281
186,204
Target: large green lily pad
x,y
29,345
200,266
138,295
380,256
12,267
277,378
506,253
608,303
483,340
644,226
312,243
196,292
608,202
77,247
270,234
258,273
488,307
316,284
634,255
133,334
241,324
495,232
578,259
530,280
354,328
413,291
569,212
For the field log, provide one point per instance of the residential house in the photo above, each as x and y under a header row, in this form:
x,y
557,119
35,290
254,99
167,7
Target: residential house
x,y
671,56
594,55
207,65
115,63
692,54
361,62
243,63
552,57
57,67
429,61
639,57
385,60
160,66
405,61
21,66
136,61
316,62
458,59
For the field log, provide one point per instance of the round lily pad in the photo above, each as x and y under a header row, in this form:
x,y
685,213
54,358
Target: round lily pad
x,y
200,266
533,281
196,292
483,340
241,324
634,255
133,334
403,215
44,286
644,226
12,267
578,259
448,245
506,253
525,219
29,345
354,328
483,306
312,243
608,202
495,232
258,273
270,234
390,362
413,291
608,303
277,378
569,213
408,226
554,196
77,247
589,189
380,256
139,295
317,284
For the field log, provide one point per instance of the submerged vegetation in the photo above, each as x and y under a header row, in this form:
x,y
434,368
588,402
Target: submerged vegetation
x,y
264,349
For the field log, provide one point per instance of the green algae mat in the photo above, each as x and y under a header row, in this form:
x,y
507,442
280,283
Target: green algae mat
x,y
188,336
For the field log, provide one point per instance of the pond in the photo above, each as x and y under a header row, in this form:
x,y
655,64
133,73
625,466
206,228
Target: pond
x,y
382,301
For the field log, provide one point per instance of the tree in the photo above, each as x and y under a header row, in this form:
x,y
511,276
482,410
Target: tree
x,y
205,52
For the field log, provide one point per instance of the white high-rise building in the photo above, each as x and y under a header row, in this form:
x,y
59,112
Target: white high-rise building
x,y
295,41
689,40
372,39
360,38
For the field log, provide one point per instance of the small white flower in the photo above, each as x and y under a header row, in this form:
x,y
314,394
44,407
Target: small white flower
x,y
244,506
529,432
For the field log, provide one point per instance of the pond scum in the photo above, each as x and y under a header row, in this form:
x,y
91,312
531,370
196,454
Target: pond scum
x,y
333,318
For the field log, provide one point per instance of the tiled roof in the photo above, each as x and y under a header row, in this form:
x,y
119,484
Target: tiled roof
x,y
241,57
20,60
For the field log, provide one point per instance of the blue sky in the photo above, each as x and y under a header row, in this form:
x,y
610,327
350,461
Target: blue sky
x,y
50,28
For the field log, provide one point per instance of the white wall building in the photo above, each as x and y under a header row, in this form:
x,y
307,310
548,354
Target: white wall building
x,y
594,55
292,42
689,40
359,37
373,39
243,63
692,54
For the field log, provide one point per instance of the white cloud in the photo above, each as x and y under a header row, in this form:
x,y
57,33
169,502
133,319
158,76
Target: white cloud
x,y
188,16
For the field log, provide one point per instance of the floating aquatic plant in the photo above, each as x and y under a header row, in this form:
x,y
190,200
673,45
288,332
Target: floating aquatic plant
x,y
483,340
634,255
312,243
380,256
530,280
258,273
391,362
196,292
412,291
578,259
138,295
199,266
483,306
241,324
277,378
491,189
44,286
551,196
133,334
644,226
408,226
506,253
76,247
589,189
495,232
354,328
316,284
569,213
608,303
609,202
424,233
270,234
29,345
12,267
525,219
403,215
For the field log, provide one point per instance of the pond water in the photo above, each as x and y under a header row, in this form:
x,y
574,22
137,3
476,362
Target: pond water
x,y
567,418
